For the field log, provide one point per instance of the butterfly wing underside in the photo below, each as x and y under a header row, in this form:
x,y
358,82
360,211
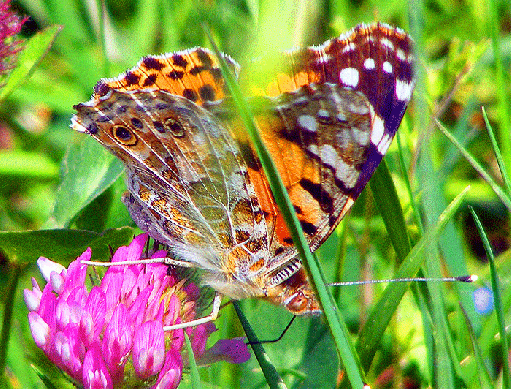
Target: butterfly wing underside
x,y
195,182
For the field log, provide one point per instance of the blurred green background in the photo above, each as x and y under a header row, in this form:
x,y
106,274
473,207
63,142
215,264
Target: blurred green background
x,y
60,191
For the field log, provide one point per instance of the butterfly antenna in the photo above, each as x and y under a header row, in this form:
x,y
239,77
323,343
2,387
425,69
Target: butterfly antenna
x,y
274,340
470,278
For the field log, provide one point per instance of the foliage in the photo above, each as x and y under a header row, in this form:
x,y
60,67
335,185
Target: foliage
x,y
435,336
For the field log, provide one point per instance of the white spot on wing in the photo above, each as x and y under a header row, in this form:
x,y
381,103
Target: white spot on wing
x,y
378,130
387,43
362,137
328,155
341,117
323,58
323,113
349,77
401,54
343,171
76,125
384,144
349,47
387,67
313,149
369,63
308,123
403,90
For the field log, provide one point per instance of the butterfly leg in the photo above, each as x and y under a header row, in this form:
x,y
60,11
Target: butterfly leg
x,y
166,260
211,317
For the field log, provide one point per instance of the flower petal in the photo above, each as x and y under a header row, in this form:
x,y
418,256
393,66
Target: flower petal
x,y
40,330
33,297
149,349
170,375
230,350
117,342
95,373
46,267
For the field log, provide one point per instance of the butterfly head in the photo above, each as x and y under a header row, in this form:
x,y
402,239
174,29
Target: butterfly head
x,y
295,294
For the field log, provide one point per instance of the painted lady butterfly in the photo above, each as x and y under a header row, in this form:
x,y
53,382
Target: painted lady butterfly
x,y
195,183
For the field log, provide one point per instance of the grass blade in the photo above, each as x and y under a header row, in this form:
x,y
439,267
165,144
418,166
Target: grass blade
x,y
386,199
484,375
498,154
496,188
380,316
316,278
500,81
495,284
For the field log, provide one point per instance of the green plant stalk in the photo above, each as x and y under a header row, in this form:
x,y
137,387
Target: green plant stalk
x,y
388,204
316,278
16,270
443,362
270,373
194,371
495,284
404,174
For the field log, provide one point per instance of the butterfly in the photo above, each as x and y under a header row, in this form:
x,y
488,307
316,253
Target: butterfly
x,y
327,115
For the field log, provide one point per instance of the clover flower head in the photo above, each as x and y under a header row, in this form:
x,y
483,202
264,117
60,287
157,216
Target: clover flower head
x,y
112,336
10,25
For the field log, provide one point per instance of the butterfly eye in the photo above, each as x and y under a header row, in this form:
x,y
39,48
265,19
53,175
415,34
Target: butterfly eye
x,y
175,127
123,135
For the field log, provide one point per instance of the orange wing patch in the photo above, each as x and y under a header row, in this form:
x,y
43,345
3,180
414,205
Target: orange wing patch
x,y
194,74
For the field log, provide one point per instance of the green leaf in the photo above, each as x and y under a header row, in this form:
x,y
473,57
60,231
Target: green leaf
x,y
498,154
35,49
63,246
18,163
88,170
8,299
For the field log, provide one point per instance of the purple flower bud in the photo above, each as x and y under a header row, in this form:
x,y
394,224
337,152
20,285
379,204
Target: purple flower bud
x,y
198,336
96,307
483,300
